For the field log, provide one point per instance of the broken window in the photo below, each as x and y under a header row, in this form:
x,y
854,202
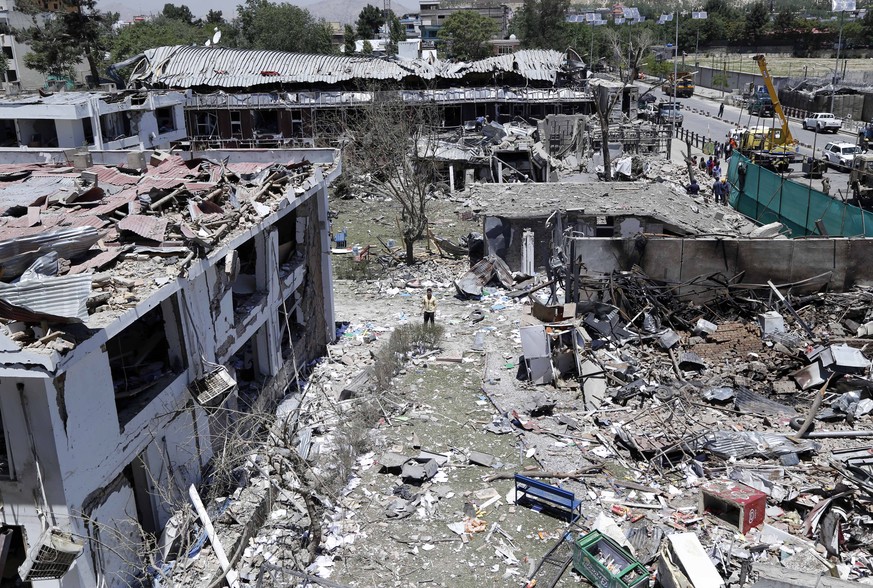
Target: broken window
x,y
14,552
8,138
5,461
296,123
246,286
88,129
247,373
288,231
206,124
292,324
266,122
11,75
166,119
145,358
142,481
115,126
236,123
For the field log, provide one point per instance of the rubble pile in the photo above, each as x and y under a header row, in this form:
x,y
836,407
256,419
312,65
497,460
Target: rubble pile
x,y
85,244
681,430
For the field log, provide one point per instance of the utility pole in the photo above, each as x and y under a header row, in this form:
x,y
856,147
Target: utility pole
x,y
675,76
837,64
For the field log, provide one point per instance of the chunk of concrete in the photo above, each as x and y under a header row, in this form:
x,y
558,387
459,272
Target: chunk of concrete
x,y
419,472
771,322
689,556
767,231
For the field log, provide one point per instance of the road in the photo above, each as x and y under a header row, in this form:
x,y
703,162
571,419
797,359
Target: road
x,y
700,117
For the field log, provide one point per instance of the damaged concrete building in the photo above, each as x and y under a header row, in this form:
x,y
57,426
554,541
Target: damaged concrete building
x,y
101,120
139,291
267,98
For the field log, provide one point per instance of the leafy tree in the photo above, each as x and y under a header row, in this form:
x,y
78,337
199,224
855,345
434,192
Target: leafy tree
x,y
349,39
867,24
370,20
367,48
756,21
784,21
60,40
396,34
214,17
542,24
282,27
181,12
137,37
465,33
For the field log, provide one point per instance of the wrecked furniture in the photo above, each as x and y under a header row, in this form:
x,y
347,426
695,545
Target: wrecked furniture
x,y
547,496
606,564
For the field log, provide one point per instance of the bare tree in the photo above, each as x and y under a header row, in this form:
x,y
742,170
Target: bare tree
x,y
608,95
629,54
391,154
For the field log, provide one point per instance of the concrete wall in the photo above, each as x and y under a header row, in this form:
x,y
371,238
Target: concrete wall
x,y
782,261
735,80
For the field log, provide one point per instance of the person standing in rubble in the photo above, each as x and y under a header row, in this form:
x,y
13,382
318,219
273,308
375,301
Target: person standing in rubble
x,y
716,171
826,186
720,191
429,305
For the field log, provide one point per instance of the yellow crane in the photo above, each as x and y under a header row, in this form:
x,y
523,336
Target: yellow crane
x,y
772,147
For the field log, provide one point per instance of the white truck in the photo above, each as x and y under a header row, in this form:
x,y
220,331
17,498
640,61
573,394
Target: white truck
x,y
822,121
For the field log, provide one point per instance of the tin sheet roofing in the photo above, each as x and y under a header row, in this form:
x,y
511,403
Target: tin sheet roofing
x,y
192,66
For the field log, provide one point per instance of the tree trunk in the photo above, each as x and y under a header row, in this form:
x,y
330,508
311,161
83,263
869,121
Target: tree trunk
x,y
604,146
92,63
410,256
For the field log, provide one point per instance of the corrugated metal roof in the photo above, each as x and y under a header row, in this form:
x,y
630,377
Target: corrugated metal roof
x,y
152,228
18,253
62,297
113,176
191,66
25,193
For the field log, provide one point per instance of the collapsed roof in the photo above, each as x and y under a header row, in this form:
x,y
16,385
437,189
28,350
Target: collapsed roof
x,y
82,246
183,66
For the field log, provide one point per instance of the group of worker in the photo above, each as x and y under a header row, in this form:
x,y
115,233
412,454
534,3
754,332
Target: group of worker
x,y
720,189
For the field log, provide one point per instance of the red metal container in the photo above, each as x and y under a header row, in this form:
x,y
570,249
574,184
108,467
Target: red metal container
x,y
738,505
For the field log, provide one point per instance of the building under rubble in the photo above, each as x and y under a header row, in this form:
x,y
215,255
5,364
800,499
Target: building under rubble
x,y
139,291
703,250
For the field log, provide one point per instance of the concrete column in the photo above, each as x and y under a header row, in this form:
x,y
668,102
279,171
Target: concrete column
x,y
451,178
71,133
327,263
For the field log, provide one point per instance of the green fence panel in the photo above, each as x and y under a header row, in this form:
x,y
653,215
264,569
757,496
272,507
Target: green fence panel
x,y
767,197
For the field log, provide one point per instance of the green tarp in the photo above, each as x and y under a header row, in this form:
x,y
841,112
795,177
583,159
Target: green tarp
x,y
767,197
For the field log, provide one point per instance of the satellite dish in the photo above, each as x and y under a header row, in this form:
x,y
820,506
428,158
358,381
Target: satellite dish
x,y
216,37
207,43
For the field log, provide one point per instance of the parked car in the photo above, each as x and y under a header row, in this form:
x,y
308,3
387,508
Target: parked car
x,y
647,112
822,121
761,106
669,112
840,154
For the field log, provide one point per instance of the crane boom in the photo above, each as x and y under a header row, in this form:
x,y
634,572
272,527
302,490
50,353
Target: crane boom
x,y
774,98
